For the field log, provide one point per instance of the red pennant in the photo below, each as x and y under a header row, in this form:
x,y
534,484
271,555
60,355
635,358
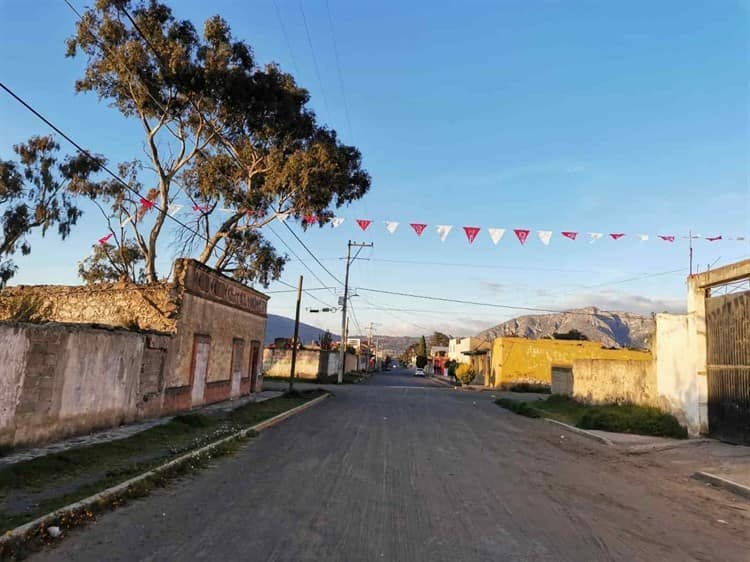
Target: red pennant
x,y
146,204
203,208
309,219
418,228
363,224
667,238
103,240
713,238
571,235
617,235
471,233
521,234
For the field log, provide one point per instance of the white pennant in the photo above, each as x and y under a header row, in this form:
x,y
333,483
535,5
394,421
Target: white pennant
x,y
174,208
126,221
391,226
595,236
443,230
282,216
545,236
642,237
225,210
496,234
337,222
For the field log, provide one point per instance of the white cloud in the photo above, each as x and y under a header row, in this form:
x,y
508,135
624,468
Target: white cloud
x,y
626,302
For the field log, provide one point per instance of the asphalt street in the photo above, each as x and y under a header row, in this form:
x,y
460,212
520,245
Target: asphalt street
x,y
401,468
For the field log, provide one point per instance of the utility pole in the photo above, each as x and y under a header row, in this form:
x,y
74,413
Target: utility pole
x,y
295,341
690,235
344,303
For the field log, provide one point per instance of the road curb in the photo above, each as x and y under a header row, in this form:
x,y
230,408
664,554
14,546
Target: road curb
x,y
441,381
581,432
20,532
723,483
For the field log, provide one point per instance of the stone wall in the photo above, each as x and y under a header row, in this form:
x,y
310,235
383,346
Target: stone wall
x,y
604,381
61,379
310,363
144,307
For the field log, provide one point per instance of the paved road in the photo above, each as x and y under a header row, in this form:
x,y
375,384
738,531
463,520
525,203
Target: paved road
x,y
400,469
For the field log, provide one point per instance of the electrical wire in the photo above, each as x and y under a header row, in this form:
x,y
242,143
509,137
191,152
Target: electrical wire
x,y
315,59
338,69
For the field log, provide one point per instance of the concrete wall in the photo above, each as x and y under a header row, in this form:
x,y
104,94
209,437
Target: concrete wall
x,y
60,380
677,379
525,360
603,381
310,363
456,347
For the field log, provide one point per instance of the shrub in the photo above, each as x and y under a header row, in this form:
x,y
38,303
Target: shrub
x,y
541,388
629,418
465,373
521,408
28,308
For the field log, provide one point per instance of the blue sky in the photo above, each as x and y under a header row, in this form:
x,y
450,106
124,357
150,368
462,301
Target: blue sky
x,y
585,116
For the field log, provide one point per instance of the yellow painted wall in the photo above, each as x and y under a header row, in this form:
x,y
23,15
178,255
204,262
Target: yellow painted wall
x,y
526,360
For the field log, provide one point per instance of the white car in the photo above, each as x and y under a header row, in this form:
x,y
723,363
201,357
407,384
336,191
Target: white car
x,y
419,373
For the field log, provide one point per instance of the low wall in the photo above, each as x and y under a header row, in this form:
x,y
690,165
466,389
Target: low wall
x,y
60,380
615,381
310,363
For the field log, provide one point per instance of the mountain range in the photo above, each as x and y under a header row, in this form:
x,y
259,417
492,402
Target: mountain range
x,y
612,329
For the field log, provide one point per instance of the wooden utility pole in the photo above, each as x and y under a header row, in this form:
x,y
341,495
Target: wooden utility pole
x,y
344,302
295,341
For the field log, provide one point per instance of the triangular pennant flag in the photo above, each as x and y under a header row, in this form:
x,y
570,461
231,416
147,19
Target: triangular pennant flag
x,y
103,240
643,237
146,204
364,224
545,236
617,235
174,208
496,234
126,221
337,222
571,235
471,233
225,210
281,217
443,230
309,219
714,238
666,238
201,208
595,236
522,235
418,227
391,226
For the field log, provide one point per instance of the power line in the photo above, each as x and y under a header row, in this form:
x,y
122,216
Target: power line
x,y
475,303
338,69
315,59
286,36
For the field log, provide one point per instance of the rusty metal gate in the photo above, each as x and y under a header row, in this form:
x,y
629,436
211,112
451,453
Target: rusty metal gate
x,y
728,365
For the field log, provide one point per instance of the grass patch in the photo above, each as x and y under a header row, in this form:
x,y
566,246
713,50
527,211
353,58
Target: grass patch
x,y
38,486
539,388
620,418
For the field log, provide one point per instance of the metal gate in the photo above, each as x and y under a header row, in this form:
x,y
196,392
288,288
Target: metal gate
x,y
728,365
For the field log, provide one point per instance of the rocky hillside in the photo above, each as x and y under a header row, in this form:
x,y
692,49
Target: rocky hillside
x,y
613,329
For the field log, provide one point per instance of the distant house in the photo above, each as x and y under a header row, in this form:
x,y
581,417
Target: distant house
x,y
458,346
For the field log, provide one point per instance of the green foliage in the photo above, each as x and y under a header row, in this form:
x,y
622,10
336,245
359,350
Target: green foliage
x,y
28,308
629,418
439,339
326,340
110,263
465,373
238,137
570,335
35,196
620,418
421,361
540,388
519,407
422,347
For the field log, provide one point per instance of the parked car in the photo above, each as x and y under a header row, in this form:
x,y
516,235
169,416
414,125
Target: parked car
x,y
419,372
